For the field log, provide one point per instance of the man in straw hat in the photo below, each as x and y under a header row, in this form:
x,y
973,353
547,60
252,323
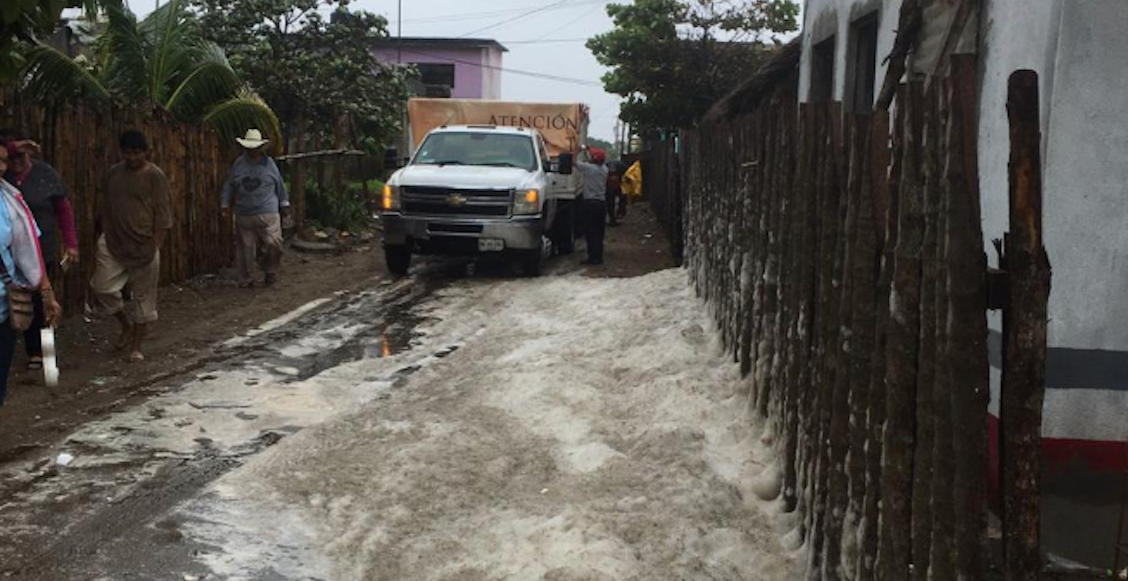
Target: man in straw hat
x,y
256,189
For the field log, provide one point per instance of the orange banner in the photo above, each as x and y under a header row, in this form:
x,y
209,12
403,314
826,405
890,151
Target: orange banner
x,y
563,125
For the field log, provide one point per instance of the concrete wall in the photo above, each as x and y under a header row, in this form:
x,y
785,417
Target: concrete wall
x,y
1080,52
470,78
1086,223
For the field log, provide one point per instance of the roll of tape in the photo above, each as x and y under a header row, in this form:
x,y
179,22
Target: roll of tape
x,y
50,363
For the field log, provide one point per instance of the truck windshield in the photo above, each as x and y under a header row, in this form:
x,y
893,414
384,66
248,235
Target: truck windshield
x,y
478,148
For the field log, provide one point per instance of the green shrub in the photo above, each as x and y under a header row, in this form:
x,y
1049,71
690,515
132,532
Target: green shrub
x,y
343,210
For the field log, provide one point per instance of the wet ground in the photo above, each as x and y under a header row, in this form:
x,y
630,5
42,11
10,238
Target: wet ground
x,y
88,490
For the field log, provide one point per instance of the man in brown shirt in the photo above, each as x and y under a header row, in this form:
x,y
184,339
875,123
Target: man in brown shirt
x,y
136,214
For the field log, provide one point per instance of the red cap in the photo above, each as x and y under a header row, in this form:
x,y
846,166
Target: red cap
x,y
597,155
13,148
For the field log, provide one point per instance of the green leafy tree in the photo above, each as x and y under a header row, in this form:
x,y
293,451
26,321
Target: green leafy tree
x,y
669,63
318,72
158,62
24,21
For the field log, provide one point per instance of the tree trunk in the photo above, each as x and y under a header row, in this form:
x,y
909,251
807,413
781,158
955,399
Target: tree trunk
x,y
901,356
1024,370
886,185
942,554
925,457
863,272
800,295
967,324
839,403
827,319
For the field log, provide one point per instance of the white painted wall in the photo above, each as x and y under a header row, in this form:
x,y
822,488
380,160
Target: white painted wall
x,y
1014,35
491,73
1086,177
1079,50
823,18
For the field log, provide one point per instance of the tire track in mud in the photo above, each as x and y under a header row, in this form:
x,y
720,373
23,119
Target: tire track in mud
x,y
91,536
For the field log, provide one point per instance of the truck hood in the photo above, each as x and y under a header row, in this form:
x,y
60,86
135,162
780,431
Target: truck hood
x,y
463,176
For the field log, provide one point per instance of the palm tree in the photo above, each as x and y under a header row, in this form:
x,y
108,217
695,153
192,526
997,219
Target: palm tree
x,y
160,61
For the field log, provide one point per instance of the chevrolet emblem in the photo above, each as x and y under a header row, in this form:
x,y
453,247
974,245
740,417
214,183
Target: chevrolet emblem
x,y
456,200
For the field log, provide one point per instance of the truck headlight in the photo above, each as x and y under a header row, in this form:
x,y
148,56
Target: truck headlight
x,y
391,199
526,201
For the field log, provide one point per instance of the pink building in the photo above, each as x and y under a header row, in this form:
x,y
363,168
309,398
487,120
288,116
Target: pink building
x,y
461,68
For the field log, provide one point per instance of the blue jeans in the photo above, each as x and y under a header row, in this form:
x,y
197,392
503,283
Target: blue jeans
x,y
7,348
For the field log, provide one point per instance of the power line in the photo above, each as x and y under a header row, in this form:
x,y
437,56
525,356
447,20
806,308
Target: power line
x,y
544,76
569,23
520,16
462,16
494,13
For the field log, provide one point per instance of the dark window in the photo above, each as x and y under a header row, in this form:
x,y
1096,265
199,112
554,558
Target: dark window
x,y
436,74
822,71
863,66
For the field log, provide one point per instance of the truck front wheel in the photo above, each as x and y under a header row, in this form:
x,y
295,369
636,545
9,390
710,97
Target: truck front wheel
x,y
398,258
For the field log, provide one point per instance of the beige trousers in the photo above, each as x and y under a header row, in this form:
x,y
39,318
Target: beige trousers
x,y
252,231
111,276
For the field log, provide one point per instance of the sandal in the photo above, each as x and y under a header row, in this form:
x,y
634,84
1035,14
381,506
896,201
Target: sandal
x,y
35,363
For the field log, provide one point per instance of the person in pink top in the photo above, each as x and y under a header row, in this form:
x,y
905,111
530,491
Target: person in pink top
x,y
46,194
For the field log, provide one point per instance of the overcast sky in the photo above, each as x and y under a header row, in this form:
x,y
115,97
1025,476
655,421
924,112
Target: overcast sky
x,y
544,37
528,28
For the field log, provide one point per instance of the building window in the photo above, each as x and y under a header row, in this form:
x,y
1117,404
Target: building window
x,y
436,74
822,71
863,63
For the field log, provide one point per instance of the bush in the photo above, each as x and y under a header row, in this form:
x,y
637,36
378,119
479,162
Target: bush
x,y
342,210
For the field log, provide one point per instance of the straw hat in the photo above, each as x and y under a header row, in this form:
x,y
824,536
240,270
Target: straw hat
x,y
253,139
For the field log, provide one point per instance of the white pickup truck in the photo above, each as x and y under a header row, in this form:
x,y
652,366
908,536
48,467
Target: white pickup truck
x,y
482,188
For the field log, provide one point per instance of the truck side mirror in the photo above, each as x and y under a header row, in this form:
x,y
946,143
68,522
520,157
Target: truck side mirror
x,y
392,159
564,164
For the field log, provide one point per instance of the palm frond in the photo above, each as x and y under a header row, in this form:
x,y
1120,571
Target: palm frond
x,y
233,117
211,81
173,48
126,53
52,76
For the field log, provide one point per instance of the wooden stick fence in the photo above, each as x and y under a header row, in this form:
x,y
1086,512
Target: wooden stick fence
x,y
842,257
81,143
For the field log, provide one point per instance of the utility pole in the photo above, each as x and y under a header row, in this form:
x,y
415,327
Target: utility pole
x,y
405,141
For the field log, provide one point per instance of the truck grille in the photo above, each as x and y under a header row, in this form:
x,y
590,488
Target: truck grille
x,y
456,202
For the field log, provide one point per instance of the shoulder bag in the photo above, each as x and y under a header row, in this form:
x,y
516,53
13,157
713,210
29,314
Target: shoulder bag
x,y
21,309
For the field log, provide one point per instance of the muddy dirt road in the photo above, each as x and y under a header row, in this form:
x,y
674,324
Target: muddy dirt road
x,y
100,513
452,425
